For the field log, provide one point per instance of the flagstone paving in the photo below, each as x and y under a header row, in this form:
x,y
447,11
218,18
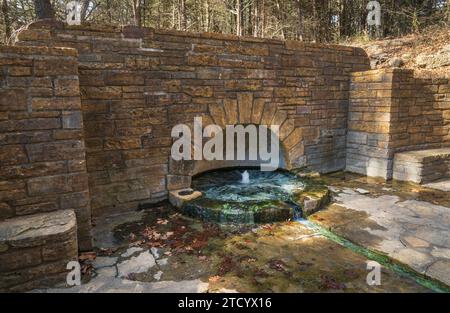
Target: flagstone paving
x,y
411,230
159,250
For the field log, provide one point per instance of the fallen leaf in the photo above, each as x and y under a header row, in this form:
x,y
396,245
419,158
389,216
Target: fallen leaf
x,y
87,256
214,279
161,221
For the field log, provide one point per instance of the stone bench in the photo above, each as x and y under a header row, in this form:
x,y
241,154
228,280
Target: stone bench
x,y
423,166
35,250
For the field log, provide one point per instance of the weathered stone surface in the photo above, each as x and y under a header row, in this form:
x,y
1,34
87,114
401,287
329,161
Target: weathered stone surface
x,y
178,197
42,139
33,244
175,182
245,105
408,231
104,261
439,59
132,99
392,111
231,110
422,166
345,269
145,86
137,264
218,115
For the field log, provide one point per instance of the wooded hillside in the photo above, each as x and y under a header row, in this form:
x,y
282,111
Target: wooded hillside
x,y
309,20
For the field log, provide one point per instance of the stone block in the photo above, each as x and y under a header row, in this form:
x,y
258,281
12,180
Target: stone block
x,y
245,105
35,248
422,166
13,99
179,197
176,182
231,111
67,87
57,150
72,120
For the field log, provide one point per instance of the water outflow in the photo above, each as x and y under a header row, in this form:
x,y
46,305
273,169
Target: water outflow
x,y
382,259
245,178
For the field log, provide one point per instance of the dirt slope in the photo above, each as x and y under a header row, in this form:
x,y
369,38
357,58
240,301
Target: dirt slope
x,y
427,52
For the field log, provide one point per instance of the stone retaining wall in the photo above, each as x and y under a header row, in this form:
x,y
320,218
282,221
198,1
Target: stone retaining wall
x,y
390,111
35,250
423,166
136,84
42,149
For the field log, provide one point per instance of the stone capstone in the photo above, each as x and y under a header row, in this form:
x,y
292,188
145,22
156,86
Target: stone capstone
x,y
39,247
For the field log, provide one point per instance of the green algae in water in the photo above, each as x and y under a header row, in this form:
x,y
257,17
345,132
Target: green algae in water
x,y
263,186
267,197
380,258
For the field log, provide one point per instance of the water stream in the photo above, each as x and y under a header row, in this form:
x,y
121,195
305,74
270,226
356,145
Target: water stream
x,y
242,189
383,260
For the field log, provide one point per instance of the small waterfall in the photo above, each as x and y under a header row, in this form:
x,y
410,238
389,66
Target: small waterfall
x,y
245,178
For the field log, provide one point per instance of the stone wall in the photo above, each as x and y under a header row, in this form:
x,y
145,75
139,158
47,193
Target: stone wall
x,y
138,83
390,111
42,149
36,249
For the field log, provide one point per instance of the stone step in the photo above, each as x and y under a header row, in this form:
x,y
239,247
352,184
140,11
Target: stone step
x,y
422,166
35,250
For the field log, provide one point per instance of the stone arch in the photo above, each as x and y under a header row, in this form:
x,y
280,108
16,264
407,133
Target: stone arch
x,y
244,110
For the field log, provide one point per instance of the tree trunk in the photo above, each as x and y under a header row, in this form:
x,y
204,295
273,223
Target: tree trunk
x,y
108,11
84,9
43,9
300,21
137,13
448,11
7,21
182,14
256,20
207,16
280,18
263,18
239,17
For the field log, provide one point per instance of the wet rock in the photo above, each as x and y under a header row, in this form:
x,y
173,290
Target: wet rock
x,y
155,252
410,232
103,232
415,242
158,275
310,206
179,197
107,271
115,285
162,262
131,251
440,269
441,253
140,264
101,262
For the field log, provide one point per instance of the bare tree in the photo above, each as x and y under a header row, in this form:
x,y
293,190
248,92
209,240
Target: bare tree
x,y
43,9
182,14
448,11
239,14
137,12
6,20
87,6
